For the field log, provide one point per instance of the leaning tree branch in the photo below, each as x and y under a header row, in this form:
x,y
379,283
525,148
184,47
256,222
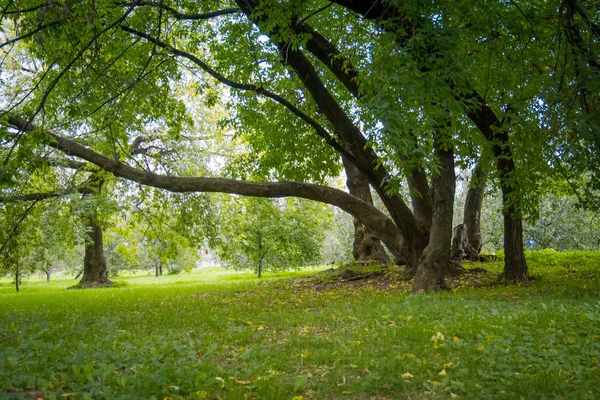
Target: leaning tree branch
x,y
30,9
345,71
382,225
367,161
37,196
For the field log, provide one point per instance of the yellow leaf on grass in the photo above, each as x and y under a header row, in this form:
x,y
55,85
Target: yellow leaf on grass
x,y
455,339
407,376
480,348
442,372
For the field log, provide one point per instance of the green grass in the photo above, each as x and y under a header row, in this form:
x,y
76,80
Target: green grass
x,y
215,334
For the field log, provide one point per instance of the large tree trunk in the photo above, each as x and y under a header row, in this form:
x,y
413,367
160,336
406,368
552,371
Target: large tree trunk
x,y
435,259
515,266
473,203
95,271
48,273
366,245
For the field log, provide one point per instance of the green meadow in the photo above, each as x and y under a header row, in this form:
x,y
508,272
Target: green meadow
x,y
214,334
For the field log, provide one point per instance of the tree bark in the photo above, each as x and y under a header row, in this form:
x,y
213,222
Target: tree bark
x,y
435,259
17,279
366,245
345,72
515,266
473,203
48,273
95,271
461,248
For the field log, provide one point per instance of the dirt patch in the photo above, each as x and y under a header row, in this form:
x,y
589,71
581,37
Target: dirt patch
x,y
395,278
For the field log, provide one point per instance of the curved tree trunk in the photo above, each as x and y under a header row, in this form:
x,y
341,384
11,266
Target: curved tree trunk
x,y
473,203
435,259
366,245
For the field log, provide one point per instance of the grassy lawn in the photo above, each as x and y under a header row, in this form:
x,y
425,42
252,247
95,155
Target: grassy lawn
x,y
214,334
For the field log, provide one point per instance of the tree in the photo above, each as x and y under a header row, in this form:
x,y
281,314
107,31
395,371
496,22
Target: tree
x,y
405,95
268,235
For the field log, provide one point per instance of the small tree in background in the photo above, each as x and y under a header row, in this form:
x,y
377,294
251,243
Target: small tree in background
x,y
271,235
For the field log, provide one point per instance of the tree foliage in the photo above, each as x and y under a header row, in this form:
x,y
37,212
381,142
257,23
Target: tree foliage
x,y
269,235
405,90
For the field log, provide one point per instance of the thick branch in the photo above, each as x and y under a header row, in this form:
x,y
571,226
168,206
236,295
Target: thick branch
x,y
366,158
346,73
385,228
36,196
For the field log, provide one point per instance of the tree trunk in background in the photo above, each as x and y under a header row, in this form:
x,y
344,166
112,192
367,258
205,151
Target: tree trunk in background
x,y
461,248
366,245
95,271
515,266
473,203
17,278
435,259
48,274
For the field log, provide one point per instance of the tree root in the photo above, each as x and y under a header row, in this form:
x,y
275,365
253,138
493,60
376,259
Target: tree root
x,y
349,275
